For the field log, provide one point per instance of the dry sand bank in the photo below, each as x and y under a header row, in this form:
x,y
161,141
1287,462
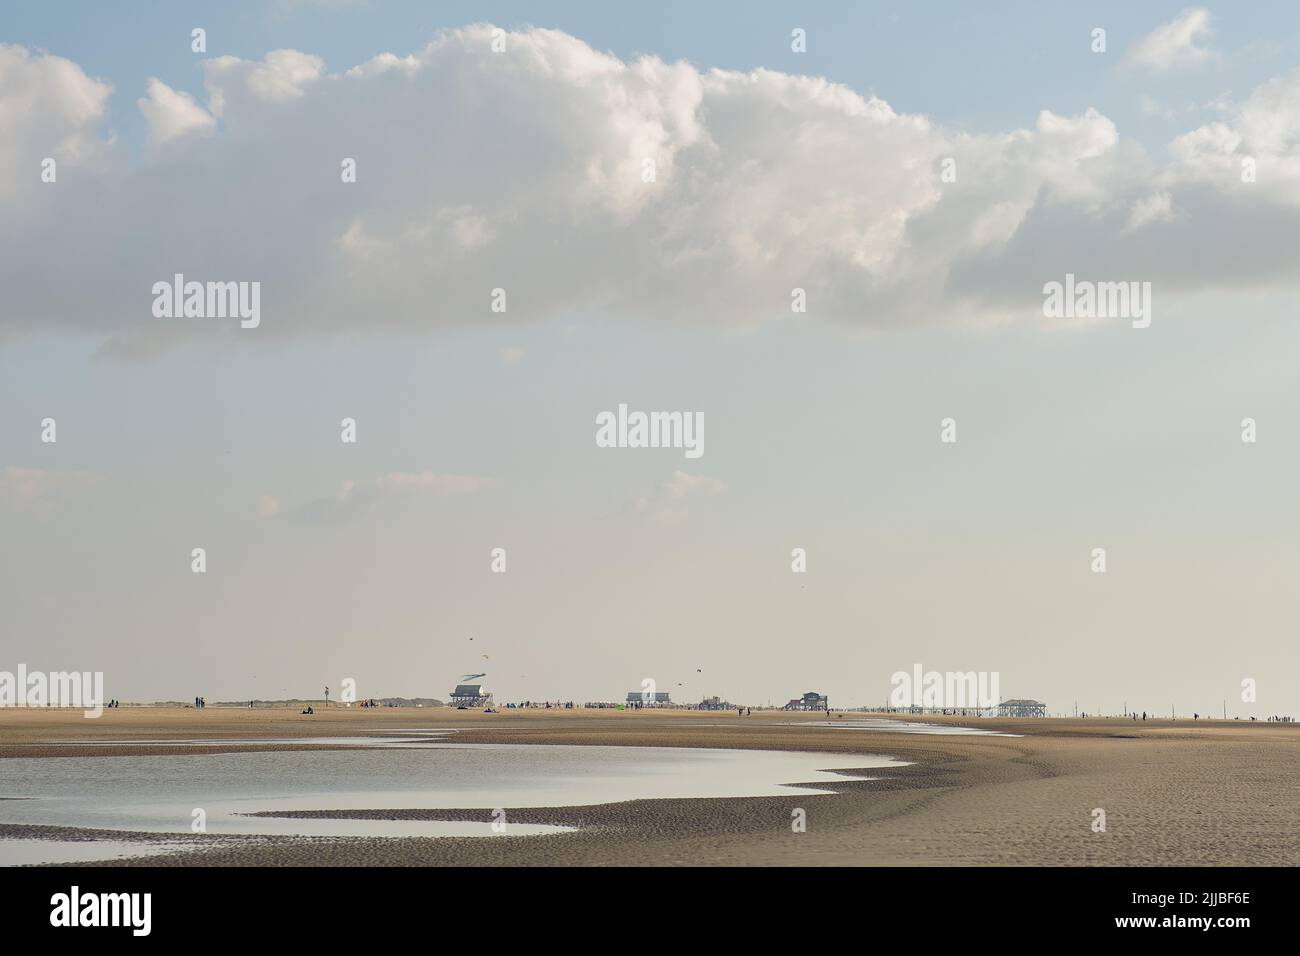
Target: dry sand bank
x,y
1180,792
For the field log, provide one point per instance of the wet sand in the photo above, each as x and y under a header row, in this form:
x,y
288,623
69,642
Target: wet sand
x,y
1209,793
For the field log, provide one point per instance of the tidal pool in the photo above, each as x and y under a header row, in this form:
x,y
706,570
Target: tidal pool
x,y
161,793
900,727
47,852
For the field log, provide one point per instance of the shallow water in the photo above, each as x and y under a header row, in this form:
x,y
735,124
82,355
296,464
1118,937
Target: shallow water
x,y
403,738
899,727
160,793
28,852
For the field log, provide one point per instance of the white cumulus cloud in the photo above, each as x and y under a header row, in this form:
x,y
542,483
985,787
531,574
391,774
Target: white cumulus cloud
x,y
1175,44
49,107
172,114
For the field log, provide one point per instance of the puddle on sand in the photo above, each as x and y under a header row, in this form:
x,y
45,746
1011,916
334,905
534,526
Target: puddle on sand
x,y
414,738
47,852
159,793
897,727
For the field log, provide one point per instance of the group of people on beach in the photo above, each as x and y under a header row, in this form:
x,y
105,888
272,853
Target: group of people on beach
x,y
200,703
545,704
1197,716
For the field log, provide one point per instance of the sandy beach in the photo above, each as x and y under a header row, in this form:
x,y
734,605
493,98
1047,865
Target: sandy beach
x,y
1207,793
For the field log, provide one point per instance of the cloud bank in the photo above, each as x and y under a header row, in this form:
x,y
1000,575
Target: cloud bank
x,y
39,491
354,498
668,502
582,184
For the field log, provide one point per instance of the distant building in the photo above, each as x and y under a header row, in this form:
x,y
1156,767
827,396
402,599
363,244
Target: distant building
x,y
1021,708
470,695
809,701
716,703
637,698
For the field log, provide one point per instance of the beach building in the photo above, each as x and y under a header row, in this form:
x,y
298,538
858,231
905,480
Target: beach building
x,y
470,695
809,701
658,699
1021,708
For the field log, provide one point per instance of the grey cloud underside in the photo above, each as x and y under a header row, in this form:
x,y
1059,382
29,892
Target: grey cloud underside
x,y
1249,246
523,170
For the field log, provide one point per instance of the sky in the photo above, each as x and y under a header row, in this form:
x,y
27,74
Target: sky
x,y
648,186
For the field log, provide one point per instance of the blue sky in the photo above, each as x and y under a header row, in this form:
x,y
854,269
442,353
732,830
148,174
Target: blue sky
x,y
822,429
961,63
